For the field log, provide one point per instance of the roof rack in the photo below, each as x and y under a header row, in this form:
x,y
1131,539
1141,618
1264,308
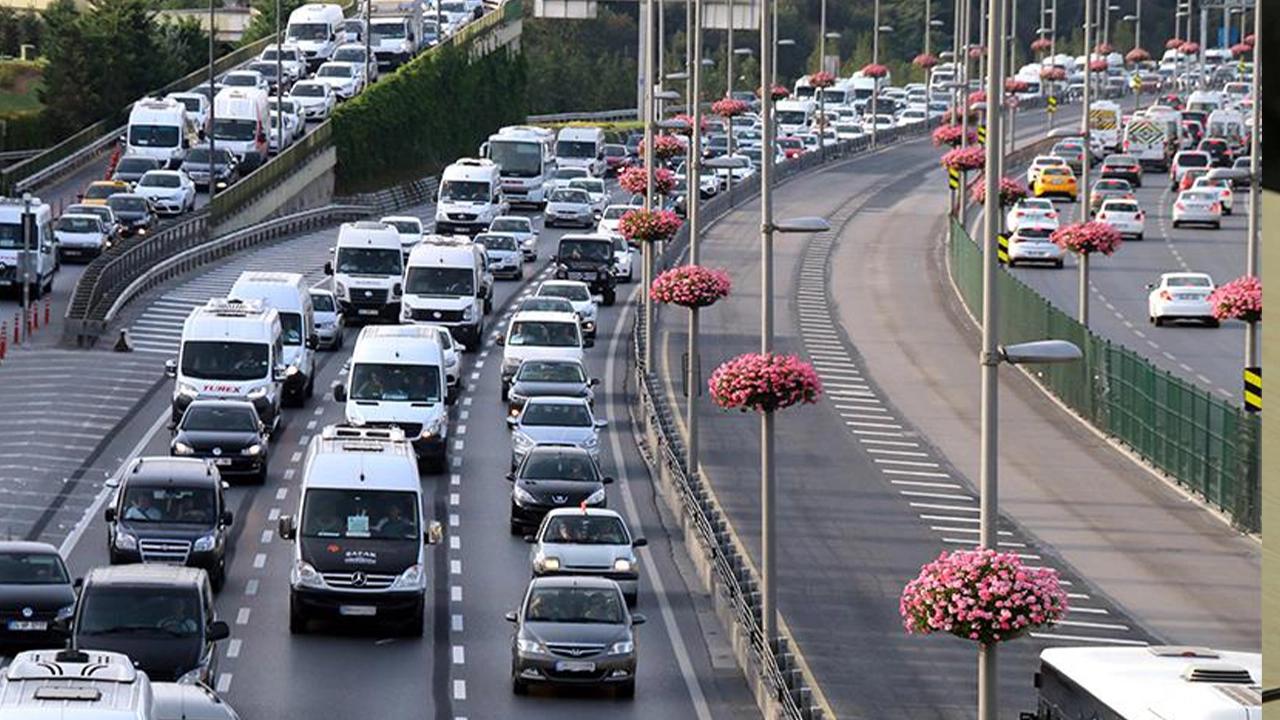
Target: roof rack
x,y
228,307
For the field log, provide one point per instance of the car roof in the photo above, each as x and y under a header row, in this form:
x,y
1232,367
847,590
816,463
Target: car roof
x,y
27,546
145,574
80,215
542,315
589,512
573,581
160,469
565,283
1171,275
222,402
555,400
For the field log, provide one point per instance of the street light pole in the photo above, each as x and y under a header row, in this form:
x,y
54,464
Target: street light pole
x,y
768,489
280,83
650,164
1083,294
368,37
693,201
1255,181
1137,25
213,180
728,61
875,87
28,228
822,36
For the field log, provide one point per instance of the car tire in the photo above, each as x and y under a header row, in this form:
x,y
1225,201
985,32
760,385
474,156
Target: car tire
x,y
416,625
1213,322
519,687
218,579
1139,237
1217,226
297,621
516,528
610,297
1175,224
627,690
1059,264
1157,321
631,598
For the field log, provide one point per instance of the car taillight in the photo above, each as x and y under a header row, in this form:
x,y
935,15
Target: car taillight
x,y
1164,295
1126,142
1216,207
1053,213
1141,215
1179,205
1019,214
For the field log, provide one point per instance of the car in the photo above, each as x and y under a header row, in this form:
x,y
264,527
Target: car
x,y
295,124
1125,216
504,254
623,265
98,191
170,510
574,631
1219,149
225,167
539,335
1033,243
1040,163
81,235
1190,176
131,168
563,176
290,58
552,476
354,53
331,324
102,212
315,98
591,259
579,295
1199,207
522,229
611,217
1072,151
551,420
595,543
793,147
1122,167
135,213
170,192
268,72
246,79
615,158
1032,211
36,594
196,105
227,433
549,378
572,206
1193,131
1181,296
1109,189
452,357
1058,181
545,304
409,228
1226,195
344,79
1185,160
595,188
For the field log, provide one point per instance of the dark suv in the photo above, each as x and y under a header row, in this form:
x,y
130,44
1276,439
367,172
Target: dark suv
x,y
170,511
588,258
554,476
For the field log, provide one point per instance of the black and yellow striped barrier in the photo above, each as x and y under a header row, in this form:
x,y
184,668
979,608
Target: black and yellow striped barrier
x,y
1053,103
982,134
1002,249
1253,389
953,178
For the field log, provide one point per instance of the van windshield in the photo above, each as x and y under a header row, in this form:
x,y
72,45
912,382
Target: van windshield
x,y
792,117
599,250
575,149
464,191
308,31
140,611
392,31
192,104
78,225
322,302
220,360
370,261
440,281
517,159
372,514
542,333
153,135
395,383
235,130
498,242
291,328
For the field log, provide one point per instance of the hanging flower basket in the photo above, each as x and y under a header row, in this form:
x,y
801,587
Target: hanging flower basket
x,y
1087,238
1137,55
691,286
642,225
1249,39
981,595
779,92
874,70
1016,85
952,135
1241,49
1011,191
687,130
966,159
951,117
1104,49
764,382
1174,43
729,107
635,180
1053,74
977,96
1043,44
1098,65
1189,48
924,61
976,53
1240,299
822,79
665,147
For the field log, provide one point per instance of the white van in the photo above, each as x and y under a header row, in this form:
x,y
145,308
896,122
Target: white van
x,y
44,258
539,335
359,532
794,116
1104,124
240,124
446,283
581,147
1145,139
470,197
1228,125
1204,100
230,349
197,107
160,129
317,30
396,377
289,295
367,269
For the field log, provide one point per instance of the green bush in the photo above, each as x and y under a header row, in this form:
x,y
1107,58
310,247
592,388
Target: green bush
x,y
437,108
25,130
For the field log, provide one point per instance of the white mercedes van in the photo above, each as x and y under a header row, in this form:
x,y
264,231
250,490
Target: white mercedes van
x,y
447,283
367,268
289,295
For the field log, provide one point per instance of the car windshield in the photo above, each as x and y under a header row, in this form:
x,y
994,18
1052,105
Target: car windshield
x,y
154,135
1052,171
235,130
351,55
546,304
1036,204
133,165
570,195
32,568
585,530
369,261
556,465
404,227
517,158
225,360
1196,160
544,414
1122,160
308,31
395,382
101,191
543,333
578,293
220,417
78,225
191,104
559,372
575,605
1121,207
615,151
168,504
1113,185
600,250
615,212
161,180
1188,282
1200,196
307,90
1034,233
440,281
244,79
129,204
393,31
498,242
338,71
266,70
323,302
570,173
145,611
575,149
588,184
371,514
510,225
464,191
200,156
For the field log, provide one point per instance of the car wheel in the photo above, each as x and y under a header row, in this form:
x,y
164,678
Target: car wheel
x,y
516,528
627,690
488,305
610,297
297,621
416,625
1217,226
1175,224
1212,322
1158,321
1139,236
506,391
519,687
219,577
1059,264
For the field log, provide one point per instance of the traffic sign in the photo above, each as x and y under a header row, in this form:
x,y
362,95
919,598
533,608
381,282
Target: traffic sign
x,y
1136,82
982,134
1002,249
1053,103
1253,389
953,178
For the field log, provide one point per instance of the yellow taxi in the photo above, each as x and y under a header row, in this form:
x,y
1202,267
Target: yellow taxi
x,y
98,192
1056,180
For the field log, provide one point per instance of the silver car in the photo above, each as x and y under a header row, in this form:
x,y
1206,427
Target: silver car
x,y
578,294
555,420
522,229
330,322
569,206
1198,206
594,541
504,254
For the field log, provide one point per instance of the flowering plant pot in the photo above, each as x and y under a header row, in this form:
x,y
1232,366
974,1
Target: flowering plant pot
x,y
1053,74
924,61
1104,48
822,79
729,107
1240,299
779,92
1249,39
635,180
665,147
1087,238
952,135
1174,43
875,70
965,159
1016,85
1041,45
1011,191
642,225
1241,49
1189,48
1098,65
981,595
977,96
691,286
687,130
764,382
1137,55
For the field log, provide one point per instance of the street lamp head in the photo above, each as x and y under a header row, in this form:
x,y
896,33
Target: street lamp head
x,y
671,125
946,55
936,23
1113,8
979,106
885,28
708,62
801,225
833,35
1044,31
1040,352
786,42
666,95
678,76
1130,18
742,51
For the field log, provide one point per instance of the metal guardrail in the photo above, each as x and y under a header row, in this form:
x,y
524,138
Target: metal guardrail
x,y
269,174
416,192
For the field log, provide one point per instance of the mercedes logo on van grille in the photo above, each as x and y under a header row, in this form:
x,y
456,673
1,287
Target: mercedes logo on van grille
x,y
437,315
368,293
217,451
27,612
560,499
358,579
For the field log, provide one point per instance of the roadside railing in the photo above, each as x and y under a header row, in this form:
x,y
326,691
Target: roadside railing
x,y
238,196
382,202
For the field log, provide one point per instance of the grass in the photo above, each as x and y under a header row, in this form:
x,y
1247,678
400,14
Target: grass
x,y
19,83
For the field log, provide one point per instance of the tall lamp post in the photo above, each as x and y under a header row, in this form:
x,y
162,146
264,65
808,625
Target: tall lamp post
x,y
1137,33
784,42
1251,358
822,102
1083,292
280,83
875,60
213,93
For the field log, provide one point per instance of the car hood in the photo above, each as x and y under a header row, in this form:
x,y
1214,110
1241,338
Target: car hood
x,y
544,434
568,207
164,531
523,352
561,493
346,555
164,659
437,302
538,389
40,598
89,238
230,442
132,215
583,556
585,633
160,192
388,412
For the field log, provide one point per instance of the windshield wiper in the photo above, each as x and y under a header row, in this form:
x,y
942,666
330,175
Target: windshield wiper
x,y
134,629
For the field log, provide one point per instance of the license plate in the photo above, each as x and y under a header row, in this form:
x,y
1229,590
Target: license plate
x,y
581,275
357,610
367,311
1188,297
575,666
222,461
28,625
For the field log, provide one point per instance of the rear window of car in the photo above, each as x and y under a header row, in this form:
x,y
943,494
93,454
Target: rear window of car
x,y
1120,207
1196,160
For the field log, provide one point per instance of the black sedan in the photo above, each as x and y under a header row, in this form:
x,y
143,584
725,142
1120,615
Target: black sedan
x,y
226,168
133,212
553,476
35,591
227,432
549,378
1123,167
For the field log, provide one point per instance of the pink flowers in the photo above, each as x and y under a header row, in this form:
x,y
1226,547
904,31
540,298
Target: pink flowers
x,y
729,107
1240,299
976,52
1016,85
1098,65
687,130
981,595
1137,55
924,61
822,79
635,180
1087,238
1104,49
1174,43
973,157
1042,44
691,286
665,147
1011,191
1053,74
1241,49
778,92
952,135
874,70
649,225
764,382
977,96
1189,48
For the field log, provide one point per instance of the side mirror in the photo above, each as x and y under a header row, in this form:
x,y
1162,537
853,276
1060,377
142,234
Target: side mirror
x,y
511,476
607,480
285,528
531,539
1151,286
78,583
434,533
511,421
62,626
171,368
638,619
313,341
593,382
227,518
601,424
278,372
639,542
328,267
109,514
339,392
501,340
511,616
217,630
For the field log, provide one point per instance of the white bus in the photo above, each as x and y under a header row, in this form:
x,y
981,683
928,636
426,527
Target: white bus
x,y
1160,682
526,158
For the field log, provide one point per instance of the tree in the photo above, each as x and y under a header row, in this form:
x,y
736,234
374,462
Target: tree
x,y
263,23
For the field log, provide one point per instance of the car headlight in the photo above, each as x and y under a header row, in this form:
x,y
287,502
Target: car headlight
x,y
468,313
530,647
625,647
65,613
304,575
595,498
254,449
548,564
291,371
191,677
523,443
623,565
204,543
126,541
181,448
523,496
433,428
415,578
397,290
325,324
188,390
591,442
258,392
516,398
